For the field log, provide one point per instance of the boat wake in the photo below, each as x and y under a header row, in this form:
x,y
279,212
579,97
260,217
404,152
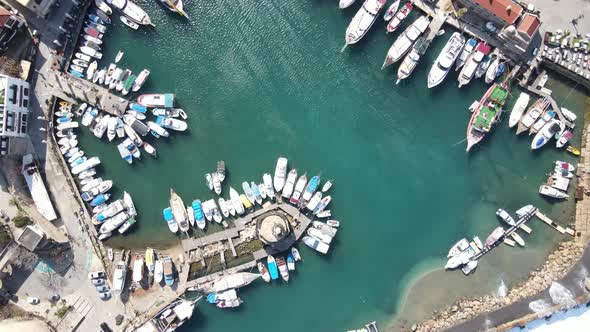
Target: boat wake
x,y
561,295
343,48
502,289
461,141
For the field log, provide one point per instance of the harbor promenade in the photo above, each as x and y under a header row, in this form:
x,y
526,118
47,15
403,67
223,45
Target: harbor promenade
x,y
582,223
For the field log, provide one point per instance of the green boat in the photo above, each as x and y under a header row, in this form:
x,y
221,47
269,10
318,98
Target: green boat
x,y
128,84
486,114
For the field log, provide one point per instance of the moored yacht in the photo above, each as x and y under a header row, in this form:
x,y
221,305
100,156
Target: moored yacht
x,y
518,109
403,43
363,20
544,135
411,60
445,59
399,17
465,53
532,115
472,63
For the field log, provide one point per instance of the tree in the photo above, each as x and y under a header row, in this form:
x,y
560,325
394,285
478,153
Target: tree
x,y
21,221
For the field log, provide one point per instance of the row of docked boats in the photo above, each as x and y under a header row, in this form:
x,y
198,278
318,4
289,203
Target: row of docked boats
x,y
222,292
118,215
298,190
558,181
465,253
542,122
171,317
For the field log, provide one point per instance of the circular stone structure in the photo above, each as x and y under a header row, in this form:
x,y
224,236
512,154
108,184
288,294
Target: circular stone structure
x,y
272,228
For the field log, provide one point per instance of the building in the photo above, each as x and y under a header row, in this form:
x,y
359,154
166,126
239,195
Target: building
x,y
499,12
38,7
14,106
519,37
10,24
32,238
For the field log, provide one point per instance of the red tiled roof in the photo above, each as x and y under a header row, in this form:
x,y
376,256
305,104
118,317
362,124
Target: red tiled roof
x,y
507,10
530,24
4,16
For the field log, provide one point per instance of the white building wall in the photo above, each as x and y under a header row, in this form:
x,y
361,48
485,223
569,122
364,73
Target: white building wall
x,y
14,108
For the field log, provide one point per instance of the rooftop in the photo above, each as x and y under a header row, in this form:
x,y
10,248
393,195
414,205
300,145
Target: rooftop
x,y
506,10
31,237
4,16
529,24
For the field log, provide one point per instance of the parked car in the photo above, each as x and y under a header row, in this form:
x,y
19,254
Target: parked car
x,y
102,289
105,328
53,298
492,27
4,216
33,300
105,295
96,275
97,282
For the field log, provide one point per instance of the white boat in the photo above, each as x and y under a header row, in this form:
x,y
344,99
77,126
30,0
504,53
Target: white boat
x,y
215,211
137,115
299,187
314,201
103,6
316,244
91,69
541,122
170,112
445,60
270,192
119,277
403,43
458,247
132,148
209,181
472,63
263,271
171,123
67,125
333,223
525,210
138,266
156,130
150,149
391,11
569,115
80,63
119,56
314,232
248,191
83,56
490,75
324,228
290,183
109,76
115,78
465,53
518,109
133,136
179,211
113,223
112,128
216,184
363,20
207,210
399,17
191,215
230,281
101,126
552,192
90,184
532,115
235,201
295,254
469,267
132,11
262,189
517,238
223,207
140,80
128,22
506,217
37,188
345,3
563,138
283,269
90,163
280,174
159,272
411,60
327,185
563,165
322,204
544,135
156,100
91,52
120,129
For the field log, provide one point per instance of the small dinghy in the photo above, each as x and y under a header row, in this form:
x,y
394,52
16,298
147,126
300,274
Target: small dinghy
x,y
170,112
191,215
119,56
327,185
129,22
290,262
333,223
209,181
391,11
171,123
263,271
156,130
147,147
283,270
295,254
324,214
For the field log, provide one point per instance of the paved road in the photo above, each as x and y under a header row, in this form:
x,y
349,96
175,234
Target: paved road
x,y
573,281
73,284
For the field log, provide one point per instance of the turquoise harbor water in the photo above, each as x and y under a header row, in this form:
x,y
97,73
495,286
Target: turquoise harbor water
x,y
266,79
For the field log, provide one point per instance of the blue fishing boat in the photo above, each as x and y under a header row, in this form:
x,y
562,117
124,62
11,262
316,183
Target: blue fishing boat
x,y
272,267
168,270
100,199
138,107
256,192
78,161
198,213
94,18
169,218
290,262
76,73
311,188
87,196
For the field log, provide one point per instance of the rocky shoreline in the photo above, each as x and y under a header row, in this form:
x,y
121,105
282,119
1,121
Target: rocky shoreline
x,y
558,263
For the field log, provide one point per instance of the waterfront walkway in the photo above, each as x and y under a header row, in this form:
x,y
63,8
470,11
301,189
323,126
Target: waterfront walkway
x,y
583,204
